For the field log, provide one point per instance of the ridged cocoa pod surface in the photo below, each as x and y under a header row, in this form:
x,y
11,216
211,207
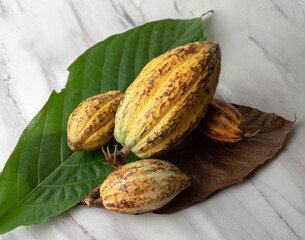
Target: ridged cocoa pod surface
x,y
168,99
223,122
91,124
142,186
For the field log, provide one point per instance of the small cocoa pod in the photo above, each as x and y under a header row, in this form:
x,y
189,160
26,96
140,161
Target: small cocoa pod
x,y
91,124
223,122
142,186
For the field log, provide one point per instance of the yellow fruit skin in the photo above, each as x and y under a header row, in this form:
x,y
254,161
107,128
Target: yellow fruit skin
x,y
142,186
223,122
91,124
168,99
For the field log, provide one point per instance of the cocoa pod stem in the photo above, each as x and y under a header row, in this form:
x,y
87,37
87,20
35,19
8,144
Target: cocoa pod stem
x,y
248,134
118,158
90,198
81,204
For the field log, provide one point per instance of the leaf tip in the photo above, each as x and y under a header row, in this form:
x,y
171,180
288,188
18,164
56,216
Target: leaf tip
x,y
295,118
210,11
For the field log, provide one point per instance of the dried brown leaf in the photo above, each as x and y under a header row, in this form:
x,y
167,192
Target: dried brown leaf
x,y
213,165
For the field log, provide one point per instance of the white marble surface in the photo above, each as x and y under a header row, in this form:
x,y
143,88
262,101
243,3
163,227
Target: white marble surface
x,y
263,47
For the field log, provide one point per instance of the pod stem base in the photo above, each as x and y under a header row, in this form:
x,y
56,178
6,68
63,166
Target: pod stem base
x,y
248,135
92,199
118,158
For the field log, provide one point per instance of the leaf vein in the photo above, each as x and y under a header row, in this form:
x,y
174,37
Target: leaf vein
x,y
83,78
41,142
150,56
17,183
122,57
49,204
83,164
164,35
61,134
105,57
69,184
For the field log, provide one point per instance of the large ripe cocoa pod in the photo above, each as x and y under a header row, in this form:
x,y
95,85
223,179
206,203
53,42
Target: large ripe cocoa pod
x,y
223,122
168,99
142,186
91,124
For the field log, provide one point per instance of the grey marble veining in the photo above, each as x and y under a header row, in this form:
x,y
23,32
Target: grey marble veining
x,y
262,66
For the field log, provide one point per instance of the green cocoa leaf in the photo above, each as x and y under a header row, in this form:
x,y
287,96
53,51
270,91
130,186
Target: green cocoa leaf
x,y
43,177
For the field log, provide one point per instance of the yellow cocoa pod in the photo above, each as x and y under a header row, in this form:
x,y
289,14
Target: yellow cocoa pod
x,y
223,122
91,124
168,99
142,186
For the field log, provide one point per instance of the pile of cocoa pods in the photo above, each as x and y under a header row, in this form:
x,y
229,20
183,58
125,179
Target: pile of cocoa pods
x,y
173,95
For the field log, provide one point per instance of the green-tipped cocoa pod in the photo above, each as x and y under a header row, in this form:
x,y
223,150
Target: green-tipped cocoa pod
x,y
168,99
